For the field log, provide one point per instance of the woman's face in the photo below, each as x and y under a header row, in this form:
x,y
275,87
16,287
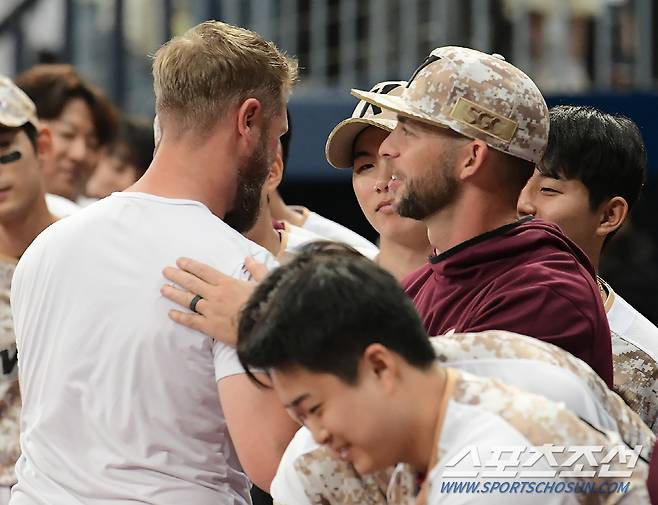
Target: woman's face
x,y
370,179
75,150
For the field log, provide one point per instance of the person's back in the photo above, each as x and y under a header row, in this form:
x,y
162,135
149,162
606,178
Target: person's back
x,y
121,405
120,402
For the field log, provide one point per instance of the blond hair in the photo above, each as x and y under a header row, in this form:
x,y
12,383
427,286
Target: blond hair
x,y
213,67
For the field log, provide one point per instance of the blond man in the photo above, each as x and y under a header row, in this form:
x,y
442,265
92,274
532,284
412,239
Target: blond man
x,y
121,405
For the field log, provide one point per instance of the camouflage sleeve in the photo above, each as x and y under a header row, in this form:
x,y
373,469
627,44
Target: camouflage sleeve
x,y
636,379
329,481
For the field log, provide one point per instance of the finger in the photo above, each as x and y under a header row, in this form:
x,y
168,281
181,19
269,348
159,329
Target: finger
x,y
257,270
179,296
183,298
201,270
188,281
189,319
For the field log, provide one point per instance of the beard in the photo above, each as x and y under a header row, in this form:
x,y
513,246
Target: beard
x,y
431,192
251,177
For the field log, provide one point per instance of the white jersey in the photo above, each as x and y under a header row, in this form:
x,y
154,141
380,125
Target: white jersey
x,y
484,415
634,357
60,206
526,363
294,238
477,413
120,402
331,230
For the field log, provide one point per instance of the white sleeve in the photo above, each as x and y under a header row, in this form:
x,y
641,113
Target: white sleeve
x,y
226,361
225,357
287,487
334,231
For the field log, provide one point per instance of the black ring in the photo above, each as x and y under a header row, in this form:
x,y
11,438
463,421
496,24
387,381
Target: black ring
x,y
194,302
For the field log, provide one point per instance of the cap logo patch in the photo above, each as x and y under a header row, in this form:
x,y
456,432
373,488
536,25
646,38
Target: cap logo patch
x,y
483,119
374,110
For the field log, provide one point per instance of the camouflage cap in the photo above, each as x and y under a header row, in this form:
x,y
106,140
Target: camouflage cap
x,y
478,95
341,139
16,108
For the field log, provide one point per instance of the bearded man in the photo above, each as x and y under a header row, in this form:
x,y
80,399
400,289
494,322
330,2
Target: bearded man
x,y
471,128
121,404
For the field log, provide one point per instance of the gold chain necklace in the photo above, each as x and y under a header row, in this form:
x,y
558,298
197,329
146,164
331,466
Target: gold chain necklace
x,y
602,291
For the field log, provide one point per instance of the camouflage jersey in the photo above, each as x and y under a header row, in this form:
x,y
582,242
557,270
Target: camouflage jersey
x,y
10,400
485,414
634,357
544,369
476,412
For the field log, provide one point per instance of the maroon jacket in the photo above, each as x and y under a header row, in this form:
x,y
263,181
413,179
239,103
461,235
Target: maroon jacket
x,y
652,481
525,277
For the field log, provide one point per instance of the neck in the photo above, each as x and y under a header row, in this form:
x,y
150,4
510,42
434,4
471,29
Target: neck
x,y
17,234
184,170
425,416
283,212
401,259
263,233
470,216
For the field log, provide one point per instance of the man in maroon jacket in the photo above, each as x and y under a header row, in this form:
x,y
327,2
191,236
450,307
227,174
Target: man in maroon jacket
x,y
471,128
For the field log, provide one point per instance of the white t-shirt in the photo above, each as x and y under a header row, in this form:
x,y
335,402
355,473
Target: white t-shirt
x,y
331,230
120,403
294,238
60,206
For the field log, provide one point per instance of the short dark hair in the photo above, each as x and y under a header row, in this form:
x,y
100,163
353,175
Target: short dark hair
x,y
603,151
134,143
52,86
321,310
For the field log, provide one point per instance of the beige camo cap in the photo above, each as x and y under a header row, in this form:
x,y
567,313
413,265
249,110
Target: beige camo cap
x,y
478,95
340,143
16,108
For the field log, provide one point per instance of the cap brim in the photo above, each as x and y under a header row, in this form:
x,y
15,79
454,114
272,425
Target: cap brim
x,y
9,121
397,104
340,143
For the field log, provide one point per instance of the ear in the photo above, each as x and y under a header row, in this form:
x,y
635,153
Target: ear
x,y
472,158
249,114
382,364
613,214
276,172
44,143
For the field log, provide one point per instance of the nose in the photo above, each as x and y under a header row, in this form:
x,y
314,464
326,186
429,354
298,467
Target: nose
x,y
78,149
381,184
525,205
387,149
320,434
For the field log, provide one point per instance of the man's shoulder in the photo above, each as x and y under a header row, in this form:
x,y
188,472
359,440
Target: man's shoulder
x,y
332,230
629,323
501,345
561,278
416,279
534,417
327,479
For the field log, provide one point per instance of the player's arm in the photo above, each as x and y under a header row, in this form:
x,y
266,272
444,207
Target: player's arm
x,y
259,426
